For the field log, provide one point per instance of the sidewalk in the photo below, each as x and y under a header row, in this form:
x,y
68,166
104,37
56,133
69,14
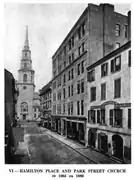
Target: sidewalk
x,y
99,158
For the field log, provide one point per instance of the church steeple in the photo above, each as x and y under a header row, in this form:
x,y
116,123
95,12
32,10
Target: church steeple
x,y
26,53
26,45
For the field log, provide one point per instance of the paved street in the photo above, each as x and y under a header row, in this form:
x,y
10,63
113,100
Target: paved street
x,y
41,146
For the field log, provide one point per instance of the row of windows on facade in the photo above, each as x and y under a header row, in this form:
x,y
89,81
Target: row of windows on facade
x,y
80,89
115,117
71,58
46,96
47,105
118,30
80,70
115,66
81,33
117,90
71,43
70,108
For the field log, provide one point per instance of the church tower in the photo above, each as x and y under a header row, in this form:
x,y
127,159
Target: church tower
x,y
25,83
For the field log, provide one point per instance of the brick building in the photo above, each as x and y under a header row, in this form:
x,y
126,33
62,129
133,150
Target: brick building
x,y
98,31
46,104
109,104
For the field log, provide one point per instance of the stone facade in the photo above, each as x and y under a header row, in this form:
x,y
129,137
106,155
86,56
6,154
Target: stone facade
x,y
95,34
110,133
46,104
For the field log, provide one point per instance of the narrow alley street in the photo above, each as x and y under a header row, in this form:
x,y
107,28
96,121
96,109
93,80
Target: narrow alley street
x,y
38,145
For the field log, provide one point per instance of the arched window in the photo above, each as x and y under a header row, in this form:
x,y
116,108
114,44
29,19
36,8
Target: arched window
x,y
24,107
25,77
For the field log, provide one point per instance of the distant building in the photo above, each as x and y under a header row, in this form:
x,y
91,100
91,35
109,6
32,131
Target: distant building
x,y
46,104
36,106
99,31
109,104
25,84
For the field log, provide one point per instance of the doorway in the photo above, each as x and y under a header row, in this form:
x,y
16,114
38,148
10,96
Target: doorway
x,y
117,146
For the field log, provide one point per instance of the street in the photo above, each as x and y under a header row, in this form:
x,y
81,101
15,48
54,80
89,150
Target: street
x,y
44,149
38,145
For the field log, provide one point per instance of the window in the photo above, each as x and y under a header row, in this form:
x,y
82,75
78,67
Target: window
x,y
104,69
59,81
98,116
78,107
129,118
117,45
54,97
54,85
65,51
34,115
117,88
82,86
72,56
59,109
68,91
126,30
129,58
78,69
24,107
78,87
116,64
69,75
64,93
117,29
72,41
111,114
64,108
83,47
93,93
91,76
25,77
103,91
64,78
82,67
82,107
80,50
91,116
71,108
83,27
71,90
79,33
54,109
54,63
69,59
69,44
72,73
118,117
64,64
102,122
59,95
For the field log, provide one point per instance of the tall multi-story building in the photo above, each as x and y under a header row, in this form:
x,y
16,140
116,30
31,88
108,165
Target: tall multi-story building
x,y
25,84
98,31
46,104
109,107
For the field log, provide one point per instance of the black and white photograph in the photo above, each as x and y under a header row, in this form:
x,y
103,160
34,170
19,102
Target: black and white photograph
x,y
67,83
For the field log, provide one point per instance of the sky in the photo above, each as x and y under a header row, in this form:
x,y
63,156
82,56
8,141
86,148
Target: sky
x,y
48,25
